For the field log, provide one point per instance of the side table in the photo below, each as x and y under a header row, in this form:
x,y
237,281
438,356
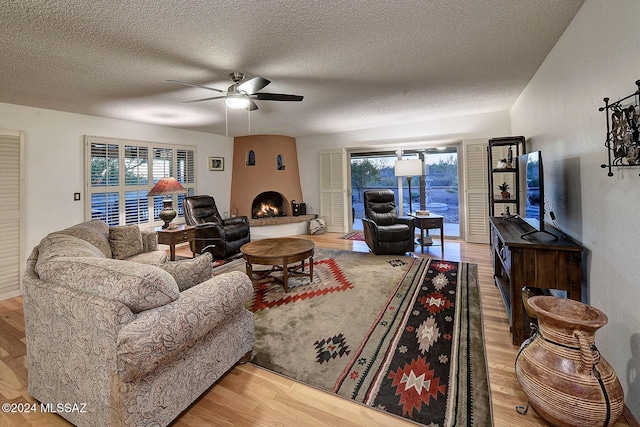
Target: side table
x,y
426,222
172,236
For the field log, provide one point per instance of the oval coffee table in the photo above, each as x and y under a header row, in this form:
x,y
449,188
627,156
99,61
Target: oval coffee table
x,y
278,252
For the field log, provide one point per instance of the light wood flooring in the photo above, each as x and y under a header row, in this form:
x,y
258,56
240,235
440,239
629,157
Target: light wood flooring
x,y
251,396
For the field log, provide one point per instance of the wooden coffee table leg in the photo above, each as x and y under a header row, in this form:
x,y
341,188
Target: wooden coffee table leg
x,y
249,270
285,277
311,269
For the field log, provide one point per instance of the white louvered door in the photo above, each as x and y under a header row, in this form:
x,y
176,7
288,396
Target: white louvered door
x,y
11,260
476,191
334,190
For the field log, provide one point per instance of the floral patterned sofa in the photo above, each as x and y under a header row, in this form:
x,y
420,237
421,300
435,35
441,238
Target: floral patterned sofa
x,y
130,338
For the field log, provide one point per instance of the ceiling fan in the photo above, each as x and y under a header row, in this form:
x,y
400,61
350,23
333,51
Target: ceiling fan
x,y
240,95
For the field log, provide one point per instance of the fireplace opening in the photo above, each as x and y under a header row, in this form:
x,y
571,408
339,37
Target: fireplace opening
x,y
268,204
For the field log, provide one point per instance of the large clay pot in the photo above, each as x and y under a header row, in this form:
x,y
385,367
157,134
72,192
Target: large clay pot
x,y
560,369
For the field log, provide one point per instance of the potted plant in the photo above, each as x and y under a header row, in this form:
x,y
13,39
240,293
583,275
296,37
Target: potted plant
x,y
504,190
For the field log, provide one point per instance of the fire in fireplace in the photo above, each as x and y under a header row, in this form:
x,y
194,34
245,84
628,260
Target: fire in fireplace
x,y
268,204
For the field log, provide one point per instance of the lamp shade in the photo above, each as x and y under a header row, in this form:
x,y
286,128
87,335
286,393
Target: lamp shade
x,y
166,187
409,167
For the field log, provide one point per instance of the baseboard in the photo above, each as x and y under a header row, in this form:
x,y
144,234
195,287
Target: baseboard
x,y
628,416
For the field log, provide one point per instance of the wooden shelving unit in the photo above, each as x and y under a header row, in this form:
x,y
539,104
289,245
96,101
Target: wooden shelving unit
x,y
497,150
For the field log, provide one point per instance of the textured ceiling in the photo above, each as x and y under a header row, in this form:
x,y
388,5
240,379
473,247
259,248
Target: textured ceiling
x,y
358,64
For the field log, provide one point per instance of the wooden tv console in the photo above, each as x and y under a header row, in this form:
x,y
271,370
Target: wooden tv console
x,y
538,261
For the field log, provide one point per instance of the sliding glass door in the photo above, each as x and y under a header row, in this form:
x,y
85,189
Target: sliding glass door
x,y
436,190
370,171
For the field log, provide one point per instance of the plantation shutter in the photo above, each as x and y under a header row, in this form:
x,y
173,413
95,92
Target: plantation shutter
x,y
333,190
103,171
10,218
120,174
185,174
476,191
162,168
136,180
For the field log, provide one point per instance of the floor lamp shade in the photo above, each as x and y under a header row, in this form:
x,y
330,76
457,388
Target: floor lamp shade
x,y
167,187
409,168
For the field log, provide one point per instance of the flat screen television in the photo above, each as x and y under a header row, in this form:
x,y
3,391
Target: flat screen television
x,y
532,187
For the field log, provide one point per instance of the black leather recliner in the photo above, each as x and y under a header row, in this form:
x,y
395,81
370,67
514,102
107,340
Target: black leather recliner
x,y
384,231
221,237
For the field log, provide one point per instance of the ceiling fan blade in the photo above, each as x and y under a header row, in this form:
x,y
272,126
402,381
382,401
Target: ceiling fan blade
x,y
204,99
277,97
252,106
197,85
253,85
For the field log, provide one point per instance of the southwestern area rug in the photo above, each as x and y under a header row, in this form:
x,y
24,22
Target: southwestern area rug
x,y
400,334
353,235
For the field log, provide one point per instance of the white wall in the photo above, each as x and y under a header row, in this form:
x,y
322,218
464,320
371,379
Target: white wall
x,y
598,56
53,143
393,136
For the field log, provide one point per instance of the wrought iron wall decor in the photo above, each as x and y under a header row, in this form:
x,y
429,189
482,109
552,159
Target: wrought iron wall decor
x,y
623,134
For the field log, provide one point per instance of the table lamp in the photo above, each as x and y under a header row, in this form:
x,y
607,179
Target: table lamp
x,y
167,187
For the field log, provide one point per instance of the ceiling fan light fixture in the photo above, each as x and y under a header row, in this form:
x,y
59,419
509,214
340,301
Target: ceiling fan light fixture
x,y
237,102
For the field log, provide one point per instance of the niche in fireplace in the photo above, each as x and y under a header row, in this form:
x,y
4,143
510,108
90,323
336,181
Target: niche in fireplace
x,y
268,204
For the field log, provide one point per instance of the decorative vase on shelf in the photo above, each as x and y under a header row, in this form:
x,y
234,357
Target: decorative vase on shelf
x,y
560,369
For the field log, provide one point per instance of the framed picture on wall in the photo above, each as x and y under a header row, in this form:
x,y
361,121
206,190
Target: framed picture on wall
x,y
216,163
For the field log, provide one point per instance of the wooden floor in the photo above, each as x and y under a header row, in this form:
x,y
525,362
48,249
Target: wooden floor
x,y
252,396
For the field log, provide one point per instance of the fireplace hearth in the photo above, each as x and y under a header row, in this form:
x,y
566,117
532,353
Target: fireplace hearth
x,y
268,204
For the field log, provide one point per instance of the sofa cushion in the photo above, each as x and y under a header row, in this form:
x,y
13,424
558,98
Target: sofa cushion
x,y
190,272
139,286
95,232
57,245
153,257
125,241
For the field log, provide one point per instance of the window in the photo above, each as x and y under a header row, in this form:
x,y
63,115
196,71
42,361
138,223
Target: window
x,y
121,173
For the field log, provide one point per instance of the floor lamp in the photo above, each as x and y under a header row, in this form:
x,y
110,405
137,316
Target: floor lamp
x,y
408,168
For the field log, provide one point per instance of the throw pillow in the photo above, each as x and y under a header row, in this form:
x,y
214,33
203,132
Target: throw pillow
x,y
190,272
317,226
125,241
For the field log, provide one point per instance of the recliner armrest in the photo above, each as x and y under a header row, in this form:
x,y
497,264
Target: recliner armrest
x,y
210,230
407,220
371,226
236,220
